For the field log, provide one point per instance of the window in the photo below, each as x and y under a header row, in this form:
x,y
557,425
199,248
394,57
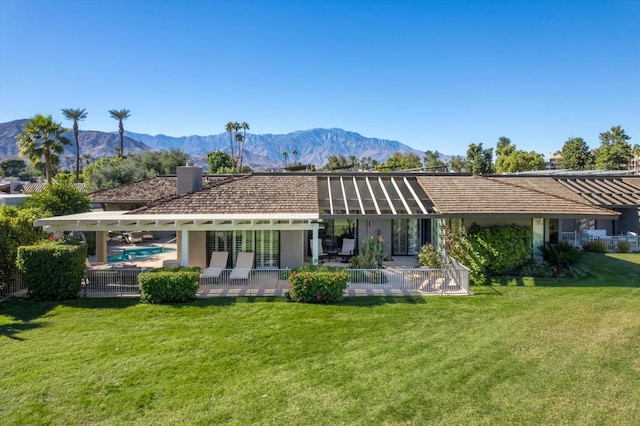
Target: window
x,y
406,237
265,244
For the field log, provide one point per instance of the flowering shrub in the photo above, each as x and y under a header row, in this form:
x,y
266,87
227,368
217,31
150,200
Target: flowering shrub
x,y
317,284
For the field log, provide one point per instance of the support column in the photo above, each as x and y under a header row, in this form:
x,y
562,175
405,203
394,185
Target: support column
x,y
184,245
101,246
538,237
314,244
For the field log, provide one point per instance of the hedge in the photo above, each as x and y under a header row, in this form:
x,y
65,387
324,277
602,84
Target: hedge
x,y
167,285
52,270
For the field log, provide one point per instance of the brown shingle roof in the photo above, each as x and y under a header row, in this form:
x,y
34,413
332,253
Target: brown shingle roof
x,y
548,185
478,195
244,195
145,191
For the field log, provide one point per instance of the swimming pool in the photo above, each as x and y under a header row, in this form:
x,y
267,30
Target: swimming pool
x,y
138,253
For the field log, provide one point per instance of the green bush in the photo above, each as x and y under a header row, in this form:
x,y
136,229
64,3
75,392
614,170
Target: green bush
x,y
167,285
317,284
493,250
565,258
428,256
597,246
16,229
52,270
538,269
623,246
370,257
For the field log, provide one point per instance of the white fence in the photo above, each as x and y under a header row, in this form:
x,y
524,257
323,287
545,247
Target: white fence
x,y
611,242
390,281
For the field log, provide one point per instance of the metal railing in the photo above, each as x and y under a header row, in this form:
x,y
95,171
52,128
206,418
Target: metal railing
x,y
111,281
106,282
612,242
13,286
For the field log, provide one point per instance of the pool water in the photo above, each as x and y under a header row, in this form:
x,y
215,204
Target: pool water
x,y
138,253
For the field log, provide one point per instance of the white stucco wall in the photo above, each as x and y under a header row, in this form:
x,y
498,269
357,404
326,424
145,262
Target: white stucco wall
x,y
292,249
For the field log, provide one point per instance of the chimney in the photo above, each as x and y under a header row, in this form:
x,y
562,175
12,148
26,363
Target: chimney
x,y
189,179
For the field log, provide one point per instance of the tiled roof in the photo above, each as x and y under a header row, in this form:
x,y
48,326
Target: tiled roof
x,y
477,195
610,192
548,185
30,188
144,191
244,194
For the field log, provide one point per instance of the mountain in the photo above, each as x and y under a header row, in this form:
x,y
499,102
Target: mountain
x,y
313,146
97,144
262,152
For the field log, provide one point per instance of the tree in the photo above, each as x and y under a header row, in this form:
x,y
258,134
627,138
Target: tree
x,y
120,115
458,164
59,198
433,163
402,161
231,127
75,115
218,161
614,151
294,153
576,155
13,167
285,155
479,160
512,160
244,126
336,162
42,137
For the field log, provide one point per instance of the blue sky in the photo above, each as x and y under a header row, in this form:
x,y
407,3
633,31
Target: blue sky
x,y
434,75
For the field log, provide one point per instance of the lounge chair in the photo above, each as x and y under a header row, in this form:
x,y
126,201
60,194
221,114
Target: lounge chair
x,y
217,264
133,237
348,249
244,263
321,253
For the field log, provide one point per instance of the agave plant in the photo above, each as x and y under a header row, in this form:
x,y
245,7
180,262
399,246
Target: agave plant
x,y
565,259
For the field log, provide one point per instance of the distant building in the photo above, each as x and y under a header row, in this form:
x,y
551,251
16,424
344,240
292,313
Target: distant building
x,y
554,162
634,164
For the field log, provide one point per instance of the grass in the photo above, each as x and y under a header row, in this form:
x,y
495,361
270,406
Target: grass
x,y
518,352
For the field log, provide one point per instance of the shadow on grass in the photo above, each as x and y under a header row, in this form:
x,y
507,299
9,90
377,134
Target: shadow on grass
x,y
606,270
22,312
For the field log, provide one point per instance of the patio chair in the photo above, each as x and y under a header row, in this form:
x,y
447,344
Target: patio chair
x,y
244,263
217,264
133,237
321,253
348,249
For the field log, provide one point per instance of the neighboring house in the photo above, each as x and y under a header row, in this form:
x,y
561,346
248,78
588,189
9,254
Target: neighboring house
x,y
276,215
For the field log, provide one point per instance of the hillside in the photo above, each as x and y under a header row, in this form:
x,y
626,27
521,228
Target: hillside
x,y
262,151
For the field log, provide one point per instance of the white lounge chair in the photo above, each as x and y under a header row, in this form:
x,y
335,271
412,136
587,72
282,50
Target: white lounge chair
x,y
348,248
244,263
217,264
321,253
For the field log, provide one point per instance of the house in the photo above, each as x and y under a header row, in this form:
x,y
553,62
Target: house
x,y
276,215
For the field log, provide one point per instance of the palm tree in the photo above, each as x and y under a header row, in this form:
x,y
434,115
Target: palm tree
x,y
75,115
295,154
120,115
239,142
230,127
42,137
87,159
285,155
244,126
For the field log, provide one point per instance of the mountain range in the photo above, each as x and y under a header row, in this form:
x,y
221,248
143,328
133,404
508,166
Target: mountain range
x,y
262,152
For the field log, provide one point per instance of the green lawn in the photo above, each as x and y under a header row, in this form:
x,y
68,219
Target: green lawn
x,y
520,352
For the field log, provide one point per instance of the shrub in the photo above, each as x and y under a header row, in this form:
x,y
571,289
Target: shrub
x,y
168,285
538,269
623,246
317,284
565,258
16,229
52,270
597,246
370,257
428,256
493,250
